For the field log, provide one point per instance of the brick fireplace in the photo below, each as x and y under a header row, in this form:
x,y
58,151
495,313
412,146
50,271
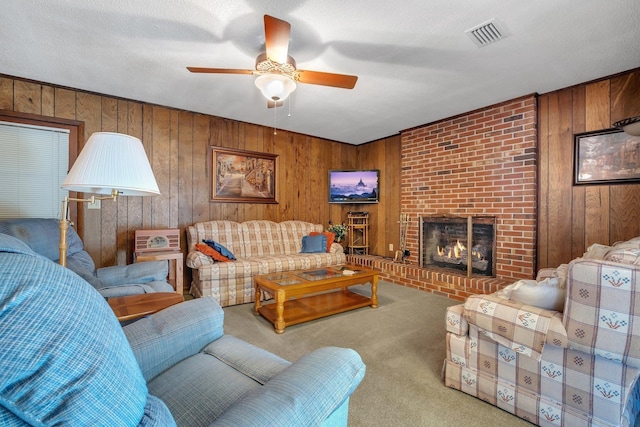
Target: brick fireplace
x,y
482,163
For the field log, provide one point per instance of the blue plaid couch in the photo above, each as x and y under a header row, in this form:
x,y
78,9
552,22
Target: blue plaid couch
x,y
65,360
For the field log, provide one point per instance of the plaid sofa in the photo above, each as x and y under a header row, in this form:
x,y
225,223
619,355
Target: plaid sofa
x,y
577,368
260,246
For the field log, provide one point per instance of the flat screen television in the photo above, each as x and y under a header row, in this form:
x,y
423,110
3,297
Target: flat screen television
x,y
354,186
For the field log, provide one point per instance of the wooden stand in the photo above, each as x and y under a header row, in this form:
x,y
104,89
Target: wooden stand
x,y
358,224
175,265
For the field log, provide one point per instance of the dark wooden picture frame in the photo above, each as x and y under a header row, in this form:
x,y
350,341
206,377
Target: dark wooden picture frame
x,y
608,156
239,176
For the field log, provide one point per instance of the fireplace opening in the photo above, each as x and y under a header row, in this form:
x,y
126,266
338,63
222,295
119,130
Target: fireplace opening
x,y
465,244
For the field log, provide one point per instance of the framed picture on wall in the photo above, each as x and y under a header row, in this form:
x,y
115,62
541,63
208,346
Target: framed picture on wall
x,y
608,156
240,176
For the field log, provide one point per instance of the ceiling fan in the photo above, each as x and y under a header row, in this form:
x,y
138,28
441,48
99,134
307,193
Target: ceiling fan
x,y
276,70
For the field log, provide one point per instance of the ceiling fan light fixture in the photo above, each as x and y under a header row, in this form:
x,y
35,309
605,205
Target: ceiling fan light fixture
x,y
275,87
630,125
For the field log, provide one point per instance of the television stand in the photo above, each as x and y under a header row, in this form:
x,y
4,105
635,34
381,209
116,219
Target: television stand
x,y
358,225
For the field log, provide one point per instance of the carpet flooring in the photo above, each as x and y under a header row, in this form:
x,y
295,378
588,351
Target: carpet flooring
x,y
403,345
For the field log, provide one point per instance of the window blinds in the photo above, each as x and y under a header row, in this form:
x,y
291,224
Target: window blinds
x,y
34,161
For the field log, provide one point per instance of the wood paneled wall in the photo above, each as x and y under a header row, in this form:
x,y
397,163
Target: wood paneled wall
x,y
571,218
177,141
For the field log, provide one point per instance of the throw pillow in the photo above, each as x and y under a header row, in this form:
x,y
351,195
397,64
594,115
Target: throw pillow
x,y
596,251
208,250
314,244
330,237
218,247
545,294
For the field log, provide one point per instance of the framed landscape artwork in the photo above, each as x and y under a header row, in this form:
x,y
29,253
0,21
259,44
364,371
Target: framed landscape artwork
x,y
606,157
240,176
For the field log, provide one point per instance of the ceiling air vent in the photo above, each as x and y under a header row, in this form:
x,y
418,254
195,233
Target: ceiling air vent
x,y
486,33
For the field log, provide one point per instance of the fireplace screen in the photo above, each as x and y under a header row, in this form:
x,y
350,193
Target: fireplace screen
x,y
457,243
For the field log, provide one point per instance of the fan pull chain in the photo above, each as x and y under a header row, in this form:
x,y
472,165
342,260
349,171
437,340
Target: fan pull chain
x,y
275,119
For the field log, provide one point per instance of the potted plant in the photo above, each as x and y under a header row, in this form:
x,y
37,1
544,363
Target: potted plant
x,y
340,230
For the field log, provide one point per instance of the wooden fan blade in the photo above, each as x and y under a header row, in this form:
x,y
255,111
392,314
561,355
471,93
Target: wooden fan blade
x,y
219,70
276,34
327,79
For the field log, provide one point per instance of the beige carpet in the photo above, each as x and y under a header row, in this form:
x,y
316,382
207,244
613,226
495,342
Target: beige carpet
x,y
402,343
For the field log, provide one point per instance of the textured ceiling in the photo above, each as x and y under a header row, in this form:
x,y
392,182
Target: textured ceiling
x,y
414,61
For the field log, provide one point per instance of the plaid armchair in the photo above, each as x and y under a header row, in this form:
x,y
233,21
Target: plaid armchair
x,y
574,368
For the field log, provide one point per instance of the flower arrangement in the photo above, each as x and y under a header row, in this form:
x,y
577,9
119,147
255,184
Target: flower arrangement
x,y
340,230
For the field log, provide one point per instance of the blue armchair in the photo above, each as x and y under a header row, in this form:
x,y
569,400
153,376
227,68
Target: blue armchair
x,y
43,235
65,360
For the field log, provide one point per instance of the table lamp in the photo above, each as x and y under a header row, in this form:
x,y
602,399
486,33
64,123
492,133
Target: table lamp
x,y
111,164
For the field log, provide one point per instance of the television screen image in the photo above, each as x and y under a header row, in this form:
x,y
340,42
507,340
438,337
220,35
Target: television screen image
x,y
354,186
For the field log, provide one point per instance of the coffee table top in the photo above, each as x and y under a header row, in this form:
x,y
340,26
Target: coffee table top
x,y
319,275
134,306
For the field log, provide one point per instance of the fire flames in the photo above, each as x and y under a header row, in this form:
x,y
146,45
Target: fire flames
x,y
458,251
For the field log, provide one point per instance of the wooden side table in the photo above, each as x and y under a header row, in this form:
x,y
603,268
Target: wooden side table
x,y
175,265
135,306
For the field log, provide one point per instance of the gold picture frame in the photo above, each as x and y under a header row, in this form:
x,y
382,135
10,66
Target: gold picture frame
x,y
240,176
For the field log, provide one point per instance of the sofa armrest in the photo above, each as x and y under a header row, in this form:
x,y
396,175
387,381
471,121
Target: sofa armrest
x,y
455,321
133,274
520,327
163,339
196,259
336,247
304,394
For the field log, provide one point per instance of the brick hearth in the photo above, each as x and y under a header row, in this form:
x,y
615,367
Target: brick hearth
x,y
451,285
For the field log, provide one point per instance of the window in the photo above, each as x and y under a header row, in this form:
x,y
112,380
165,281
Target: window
x,y
34,161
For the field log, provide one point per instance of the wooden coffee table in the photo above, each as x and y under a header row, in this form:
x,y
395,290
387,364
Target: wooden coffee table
x,y
306,295
135,306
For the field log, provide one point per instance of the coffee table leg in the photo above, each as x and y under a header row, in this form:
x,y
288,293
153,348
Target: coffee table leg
x,y
374,292
257,304
279,324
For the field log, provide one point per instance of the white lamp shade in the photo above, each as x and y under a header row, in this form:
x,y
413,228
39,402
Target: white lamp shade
x,y
112,161
275,87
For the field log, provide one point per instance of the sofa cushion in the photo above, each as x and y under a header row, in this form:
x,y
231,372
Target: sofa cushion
x,y
62,366
306,393
209,251
331,237
292,233
42,235
252,361
198,390
221,249
261,238
173,334
314,244
81,264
